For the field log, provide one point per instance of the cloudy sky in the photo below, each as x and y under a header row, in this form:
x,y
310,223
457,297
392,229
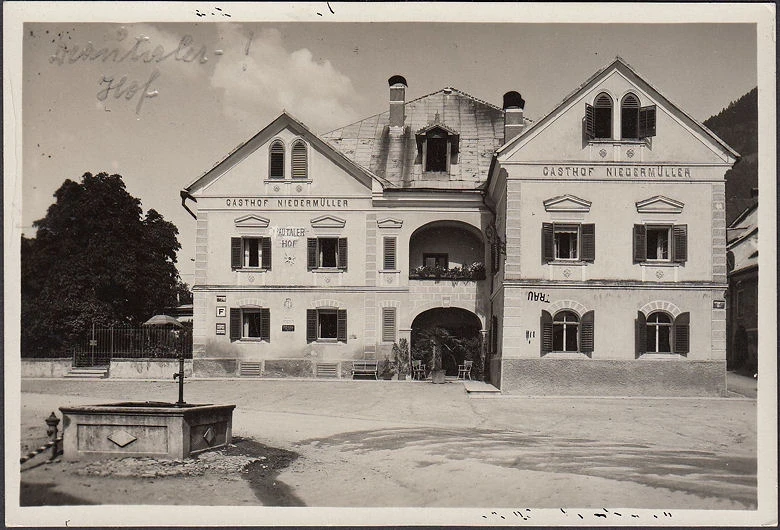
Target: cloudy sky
x,y
222,79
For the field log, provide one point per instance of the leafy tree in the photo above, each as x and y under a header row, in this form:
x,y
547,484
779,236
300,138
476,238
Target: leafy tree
x,y
97,259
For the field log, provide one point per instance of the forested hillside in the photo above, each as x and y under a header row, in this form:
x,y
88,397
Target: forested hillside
x,y
737,125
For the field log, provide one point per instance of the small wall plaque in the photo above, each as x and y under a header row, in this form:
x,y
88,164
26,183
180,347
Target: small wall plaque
x,y
220,329
221,298
719,304
221,311
288,327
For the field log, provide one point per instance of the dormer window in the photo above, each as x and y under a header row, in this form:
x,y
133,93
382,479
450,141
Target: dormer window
x,y
437,145
636,122
276,160
598,118
300,168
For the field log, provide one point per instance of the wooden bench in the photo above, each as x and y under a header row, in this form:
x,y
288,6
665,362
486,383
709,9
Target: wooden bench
x,y
364,367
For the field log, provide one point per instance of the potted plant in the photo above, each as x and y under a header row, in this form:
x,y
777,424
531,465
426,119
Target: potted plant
x,y
401,356
386,369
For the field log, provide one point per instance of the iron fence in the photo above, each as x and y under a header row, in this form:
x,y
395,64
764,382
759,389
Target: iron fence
x,y
102,345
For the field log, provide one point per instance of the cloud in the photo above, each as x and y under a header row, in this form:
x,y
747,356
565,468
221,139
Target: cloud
x,y
259,78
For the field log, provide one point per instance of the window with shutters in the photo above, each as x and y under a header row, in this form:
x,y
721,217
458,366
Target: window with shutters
x,y
659,332
598,117
566,326
326,325
567,332
660,243
327,253
636,122
629,117
250,324
250,252
389,254
388,324
276,160
568,242
299,160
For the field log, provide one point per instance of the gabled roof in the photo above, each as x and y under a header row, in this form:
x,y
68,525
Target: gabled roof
x,y
369,142
620,65
284,121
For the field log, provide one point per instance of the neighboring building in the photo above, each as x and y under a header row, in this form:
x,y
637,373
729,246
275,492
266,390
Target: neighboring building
x,y
742,260
601,226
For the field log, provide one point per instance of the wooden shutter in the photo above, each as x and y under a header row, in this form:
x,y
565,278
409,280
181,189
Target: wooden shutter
x,y
680,238
647,121
640,243
235,253
235,324
265,324
342,257
588,242
388,324
548,247
682,333
590,122
341,325
266,245
389,253
640,334
586,333
546,325
311,325
276,164
311,253
299,163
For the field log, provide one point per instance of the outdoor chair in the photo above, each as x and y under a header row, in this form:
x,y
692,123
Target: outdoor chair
x,y
418,370
464,370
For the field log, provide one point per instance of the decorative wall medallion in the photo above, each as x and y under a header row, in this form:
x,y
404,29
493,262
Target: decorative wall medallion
x,y
276,188
251,278
603,153
299,188
566,273
121,438
389,279
288,303
327,280
209,436
630,153
289,259
659,274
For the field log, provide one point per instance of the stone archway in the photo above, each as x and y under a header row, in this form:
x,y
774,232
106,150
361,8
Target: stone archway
x,y
455,330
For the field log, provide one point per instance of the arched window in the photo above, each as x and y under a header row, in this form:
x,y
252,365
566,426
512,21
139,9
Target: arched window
x,y
565,331
659,333
602,116
299,161
629,117
276,162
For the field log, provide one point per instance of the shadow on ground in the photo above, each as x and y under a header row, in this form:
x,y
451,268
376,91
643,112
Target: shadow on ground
x,y
702,473
263,475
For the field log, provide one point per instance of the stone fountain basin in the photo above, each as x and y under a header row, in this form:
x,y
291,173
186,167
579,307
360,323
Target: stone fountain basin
x,y
149,428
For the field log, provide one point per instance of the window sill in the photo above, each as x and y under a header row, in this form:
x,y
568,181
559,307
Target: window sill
x,y
568,262
320,270
328,341
660,264
566,355
253,340
287,179
662,357
627,141
252,269
390,271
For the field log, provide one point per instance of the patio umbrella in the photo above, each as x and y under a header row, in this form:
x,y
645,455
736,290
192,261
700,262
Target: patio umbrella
x,y
162,320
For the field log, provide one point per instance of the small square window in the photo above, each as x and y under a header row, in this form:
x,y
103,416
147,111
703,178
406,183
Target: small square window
x,y
436,260
658,238
566,240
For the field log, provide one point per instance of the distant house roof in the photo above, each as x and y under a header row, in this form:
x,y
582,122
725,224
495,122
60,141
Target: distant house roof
x,y
395,157
742,237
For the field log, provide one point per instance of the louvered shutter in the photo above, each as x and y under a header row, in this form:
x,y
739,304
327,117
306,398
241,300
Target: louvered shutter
x,y
647,121
546,325
235,252
266,243
590,122
388,324
586,333
311,253
680,237
389,253
276,164
342,257
341,325
682,333
640,334
311,325
588,242
265,324
299,162
235,324
640,243
548,248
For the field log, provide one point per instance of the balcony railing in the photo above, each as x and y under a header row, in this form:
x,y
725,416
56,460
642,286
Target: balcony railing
x,y
473,272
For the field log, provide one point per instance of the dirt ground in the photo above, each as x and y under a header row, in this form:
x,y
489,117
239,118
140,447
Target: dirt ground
x,y
413,444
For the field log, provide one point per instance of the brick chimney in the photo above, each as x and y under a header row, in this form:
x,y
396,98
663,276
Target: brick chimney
x,y
397,99
513,115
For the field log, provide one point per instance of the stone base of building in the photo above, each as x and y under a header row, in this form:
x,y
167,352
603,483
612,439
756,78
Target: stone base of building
x,y
588,377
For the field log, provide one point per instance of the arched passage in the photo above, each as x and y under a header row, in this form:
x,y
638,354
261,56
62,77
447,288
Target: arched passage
x,y
455,332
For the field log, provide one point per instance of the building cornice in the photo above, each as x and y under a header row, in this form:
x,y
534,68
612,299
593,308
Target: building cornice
x,y
614,284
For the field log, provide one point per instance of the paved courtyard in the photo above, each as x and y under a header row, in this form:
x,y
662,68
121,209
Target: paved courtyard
x,y
412,444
